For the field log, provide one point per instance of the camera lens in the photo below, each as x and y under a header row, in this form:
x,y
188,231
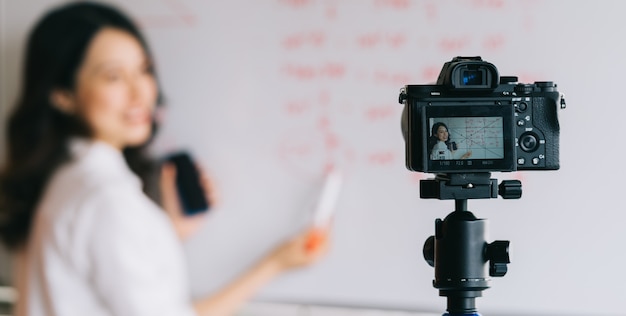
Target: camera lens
x,y
528,142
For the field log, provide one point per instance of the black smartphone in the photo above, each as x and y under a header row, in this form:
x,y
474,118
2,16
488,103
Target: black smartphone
x,y
453,146
192,195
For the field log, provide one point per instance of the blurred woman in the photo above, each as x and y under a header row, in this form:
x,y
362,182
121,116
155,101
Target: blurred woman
x,y
73,203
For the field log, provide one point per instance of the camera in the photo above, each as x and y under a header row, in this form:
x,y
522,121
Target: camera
x,y
472,121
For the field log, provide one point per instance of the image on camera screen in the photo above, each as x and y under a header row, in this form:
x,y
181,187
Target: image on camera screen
x,y
453,138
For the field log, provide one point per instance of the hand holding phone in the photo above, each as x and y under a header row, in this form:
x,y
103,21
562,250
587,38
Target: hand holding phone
x,y
188,183
453,146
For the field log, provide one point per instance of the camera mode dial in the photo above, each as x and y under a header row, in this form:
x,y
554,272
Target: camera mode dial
x,y
523,88
546,86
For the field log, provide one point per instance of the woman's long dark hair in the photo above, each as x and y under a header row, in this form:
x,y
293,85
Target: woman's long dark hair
x,y
37,132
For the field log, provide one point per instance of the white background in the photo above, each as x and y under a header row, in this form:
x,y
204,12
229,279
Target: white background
x,y
266,94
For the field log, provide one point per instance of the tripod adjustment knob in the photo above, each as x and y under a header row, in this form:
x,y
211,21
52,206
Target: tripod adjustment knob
x,y
510,189
429,251
497,253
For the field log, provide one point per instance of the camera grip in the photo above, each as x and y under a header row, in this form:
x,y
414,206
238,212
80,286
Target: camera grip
x,y
545,119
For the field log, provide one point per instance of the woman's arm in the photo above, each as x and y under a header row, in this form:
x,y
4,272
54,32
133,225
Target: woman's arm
x,y
301,250
292,254
467,154
230,299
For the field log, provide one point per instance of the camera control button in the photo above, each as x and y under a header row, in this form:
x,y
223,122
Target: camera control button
x,y
521,161
521,107
508,79
535,161
528,142
521,123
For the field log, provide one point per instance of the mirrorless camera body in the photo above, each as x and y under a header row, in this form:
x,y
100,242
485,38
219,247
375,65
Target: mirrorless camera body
x,y
472,121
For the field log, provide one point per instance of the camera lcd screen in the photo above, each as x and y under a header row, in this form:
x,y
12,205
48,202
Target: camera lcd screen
x,y
467,138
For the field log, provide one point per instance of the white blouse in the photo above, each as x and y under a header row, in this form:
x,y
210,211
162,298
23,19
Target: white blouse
x,y
441,152
100,246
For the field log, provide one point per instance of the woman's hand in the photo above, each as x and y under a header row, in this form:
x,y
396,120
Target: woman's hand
x,y
185,225
467,155
302,250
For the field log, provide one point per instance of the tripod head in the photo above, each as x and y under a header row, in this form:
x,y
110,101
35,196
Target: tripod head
x,y
459,251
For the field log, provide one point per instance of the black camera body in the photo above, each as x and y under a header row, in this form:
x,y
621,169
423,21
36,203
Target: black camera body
x,y
472,121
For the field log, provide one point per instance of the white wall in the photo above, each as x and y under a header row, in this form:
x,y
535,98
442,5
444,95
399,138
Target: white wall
x,y
267,93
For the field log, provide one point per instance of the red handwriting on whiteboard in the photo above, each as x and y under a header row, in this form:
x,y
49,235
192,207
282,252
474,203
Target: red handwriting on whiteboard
x,y
430,74
329,70
431,11
297,150
377,39
393,4
315,39
453,44
382,158
323,97
489,4
494,42
178,15
302,106
519,176
381,112
296,3
396,40
302,152
369,40
297,107
323,123
182,11
331,12
415,177
331,141
394,78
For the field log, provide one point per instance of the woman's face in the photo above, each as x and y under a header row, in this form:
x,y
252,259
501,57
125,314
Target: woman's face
x,y
442,133
115,90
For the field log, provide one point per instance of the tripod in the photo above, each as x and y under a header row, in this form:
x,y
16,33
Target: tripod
x,y
458,251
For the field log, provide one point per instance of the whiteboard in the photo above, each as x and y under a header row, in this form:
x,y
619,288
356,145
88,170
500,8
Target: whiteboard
x,y
266,94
